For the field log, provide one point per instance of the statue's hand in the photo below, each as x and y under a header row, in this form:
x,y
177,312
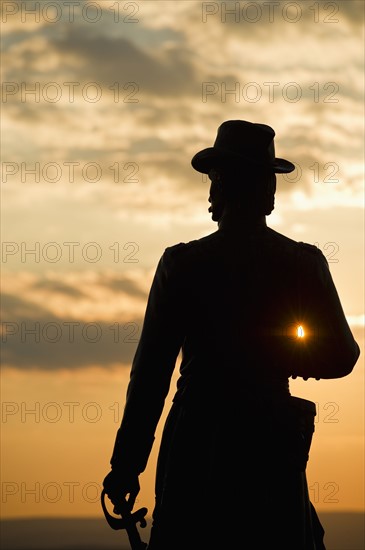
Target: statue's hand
x,y
119,485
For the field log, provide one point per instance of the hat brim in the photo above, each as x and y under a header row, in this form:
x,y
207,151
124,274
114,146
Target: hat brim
x,y
213,157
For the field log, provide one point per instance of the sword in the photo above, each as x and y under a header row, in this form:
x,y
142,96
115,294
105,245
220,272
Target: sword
x,y
128,521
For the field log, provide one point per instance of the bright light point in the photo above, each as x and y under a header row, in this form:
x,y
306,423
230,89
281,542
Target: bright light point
x,y
300,331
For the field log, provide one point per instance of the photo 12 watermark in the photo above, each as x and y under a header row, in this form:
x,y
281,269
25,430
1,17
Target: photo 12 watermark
x,y
69,172
50,492
70,11
68,92
69,252
53,412
68,332
324,493
270,12
324,172
271,92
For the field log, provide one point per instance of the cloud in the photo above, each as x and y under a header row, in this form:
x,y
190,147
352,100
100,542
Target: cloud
x,y
103,294
34,338
58,287
108,60
353,11
171,121
119,284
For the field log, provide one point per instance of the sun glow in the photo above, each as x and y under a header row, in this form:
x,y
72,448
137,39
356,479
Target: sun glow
x,y
300,331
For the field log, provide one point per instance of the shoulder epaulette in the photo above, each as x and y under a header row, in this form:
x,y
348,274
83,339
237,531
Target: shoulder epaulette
x,y
310,247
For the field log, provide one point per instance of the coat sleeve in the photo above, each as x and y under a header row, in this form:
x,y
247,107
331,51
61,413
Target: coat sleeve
x,y
152,367
330,351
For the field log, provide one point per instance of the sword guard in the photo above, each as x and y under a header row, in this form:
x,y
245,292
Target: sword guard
x,y
123,523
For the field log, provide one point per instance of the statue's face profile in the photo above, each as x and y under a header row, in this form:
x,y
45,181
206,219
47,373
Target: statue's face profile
x,y
216,196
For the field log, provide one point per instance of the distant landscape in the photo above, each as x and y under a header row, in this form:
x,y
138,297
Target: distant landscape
x,y
344,531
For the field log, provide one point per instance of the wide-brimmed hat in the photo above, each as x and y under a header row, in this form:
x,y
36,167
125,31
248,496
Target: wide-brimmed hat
x,y
243,143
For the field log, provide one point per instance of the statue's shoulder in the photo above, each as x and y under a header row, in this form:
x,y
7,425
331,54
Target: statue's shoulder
x,y
178,250
312,255
191,248
301,246
310,248
175,249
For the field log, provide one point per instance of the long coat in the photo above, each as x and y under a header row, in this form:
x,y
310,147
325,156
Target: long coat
x,y
232,461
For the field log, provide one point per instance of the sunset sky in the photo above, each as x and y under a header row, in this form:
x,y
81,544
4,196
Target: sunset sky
x,y
103,106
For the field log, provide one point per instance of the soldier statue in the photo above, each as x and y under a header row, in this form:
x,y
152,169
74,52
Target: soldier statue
x,y
249,308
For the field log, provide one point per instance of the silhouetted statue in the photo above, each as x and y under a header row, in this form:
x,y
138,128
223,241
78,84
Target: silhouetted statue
x,y
249,308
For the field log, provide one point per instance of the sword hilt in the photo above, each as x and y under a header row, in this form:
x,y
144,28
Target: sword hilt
x,y
128,521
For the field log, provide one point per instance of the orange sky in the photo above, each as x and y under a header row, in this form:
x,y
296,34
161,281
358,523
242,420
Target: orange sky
x,y
102,112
